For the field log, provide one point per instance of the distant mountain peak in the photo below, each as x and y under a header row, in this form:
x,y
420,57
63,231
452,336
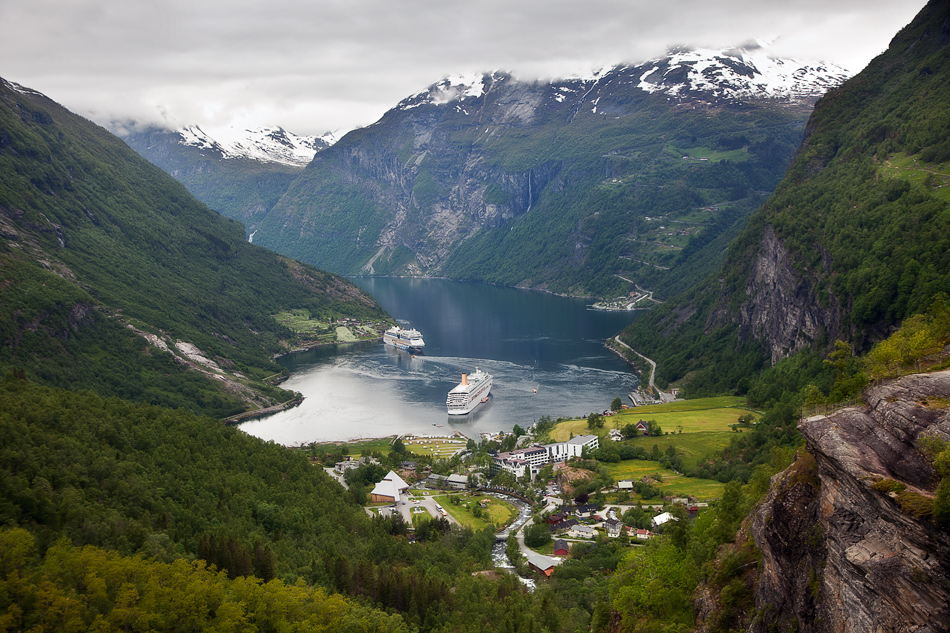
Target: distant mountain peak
x,y
271,144
744,72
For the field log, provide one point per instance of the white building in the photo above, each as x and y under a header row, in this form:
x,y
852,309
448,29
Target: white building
x,y
390,489
522,460
574,447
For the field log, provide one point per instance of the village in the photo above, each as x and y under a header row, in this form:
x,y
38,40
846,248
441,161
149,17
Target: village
x,y
544,495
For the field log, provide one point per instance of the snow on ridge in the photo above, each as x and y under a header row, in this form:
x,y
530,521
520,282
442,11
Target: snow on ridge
x,y
266,145
739,73
23,90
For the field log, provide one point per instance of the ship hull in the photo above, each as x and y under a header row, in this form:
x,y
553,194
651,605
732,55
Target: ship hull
x,y
466,397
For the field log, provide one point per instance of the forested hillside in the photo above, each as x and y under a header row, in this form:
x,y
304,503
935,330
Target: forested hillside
x,y
114,278
854,240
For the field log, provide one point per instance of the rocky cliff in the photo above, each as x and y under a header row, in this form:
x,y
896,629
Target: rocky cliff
x,y
845,537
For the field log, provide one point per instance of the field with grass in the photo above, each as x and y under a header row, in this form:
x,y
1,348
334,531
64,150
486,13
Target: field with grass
x,y
443,446
497,515
934,177
310,331
702,415
671,483
356,448
695,428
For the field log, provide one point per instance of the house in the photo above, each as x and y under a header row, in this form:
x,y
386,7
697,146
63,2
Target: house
x,y
554,519
644,427
540,563
581,531
437,482
615,435
660,519
643,535
626,484
585,511
561,548
390,489
458,482
613,527
564,525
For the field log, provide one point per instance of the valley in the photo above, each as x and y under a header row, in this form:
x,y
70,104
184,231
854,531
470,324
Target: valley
x,y
787,224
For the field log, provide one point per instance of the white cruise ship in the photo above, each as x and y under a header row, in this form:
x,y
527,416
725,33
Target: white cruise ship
x,y
468,394
406,340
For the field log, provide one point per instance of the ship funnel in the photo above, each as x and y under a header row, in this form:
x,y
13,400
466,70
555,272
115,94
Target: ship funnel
x,y
464,379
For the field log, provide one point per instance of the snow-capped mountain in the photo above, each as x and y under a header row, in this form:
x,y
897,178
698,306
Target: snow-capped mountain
x,y
737,74
460,179
266,145
748,73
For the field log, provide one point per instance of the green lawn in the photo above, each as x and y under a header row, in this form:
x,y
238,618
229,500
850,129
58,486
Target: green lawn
x,y
692,446
498,514
672,484
688,416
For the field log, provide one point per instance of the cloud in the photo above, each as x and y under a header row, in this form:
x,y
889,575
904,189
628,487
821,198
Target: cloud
x,y
316,65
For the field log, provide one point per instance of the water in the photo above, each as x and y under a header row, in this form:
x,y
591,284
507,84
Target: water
x,y
545,352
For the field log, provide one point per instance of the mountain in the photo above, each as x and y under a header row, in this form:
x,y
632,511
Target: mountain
x,y
854,240
115,279
238,172
643,171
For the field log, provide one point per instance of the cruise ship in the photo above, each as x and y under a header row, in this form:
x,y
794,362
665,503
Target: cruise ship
x,y
406,340
468,394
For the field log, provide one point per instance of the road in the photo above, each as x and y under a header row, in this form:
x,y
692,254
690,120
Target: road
x,y
664,396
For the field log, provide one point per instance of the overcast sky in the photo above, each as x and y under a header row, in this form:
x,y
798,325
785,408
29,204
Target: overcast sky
x,y
317,65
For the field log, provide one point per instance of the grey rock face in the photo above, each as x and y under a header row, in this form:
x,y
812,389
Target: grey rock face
x,y
840,555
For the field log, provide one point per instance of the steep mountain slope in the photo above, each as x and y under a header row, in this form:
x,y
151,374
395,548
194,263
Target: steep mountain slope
x,y
846,535
855,239
115,279
557,185
242,176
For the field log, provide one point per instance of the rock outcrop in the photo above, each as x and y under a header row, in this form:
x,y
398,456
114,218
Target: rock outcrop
x,y
845,537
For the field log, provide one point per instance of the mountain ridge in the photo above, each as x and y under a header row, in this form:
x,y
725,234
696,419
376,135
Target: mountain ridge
x,y
456,179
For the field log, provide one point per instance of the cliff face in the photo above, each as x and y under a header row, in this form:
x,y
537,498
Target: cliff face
x,y
784,310
842,546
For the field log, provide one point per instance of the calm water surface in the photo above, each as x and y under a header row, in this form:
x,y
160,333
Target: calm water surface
x,y
545,352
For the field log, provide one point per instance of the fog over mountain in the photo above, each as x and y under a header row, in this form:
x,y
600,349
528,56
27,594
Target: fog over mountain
x,y
319,66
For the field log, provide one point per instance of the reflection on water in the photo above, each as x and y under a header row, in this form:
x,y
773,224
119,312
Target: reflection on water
x,y
546,355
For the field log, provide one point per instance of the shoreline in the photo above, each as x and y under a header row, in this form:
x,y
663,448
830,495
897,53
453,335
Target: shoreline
x,y
277,408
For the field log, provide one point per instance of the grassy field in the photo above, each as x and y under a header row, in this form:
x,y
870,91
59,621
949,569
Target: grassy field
x,y
683,417
695,428
934,177
497,515
444,446
671,484
381,444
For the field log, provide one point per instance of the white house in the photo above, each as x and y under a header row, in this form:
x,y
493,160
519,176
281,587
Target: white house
x,y
581,531
660,519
